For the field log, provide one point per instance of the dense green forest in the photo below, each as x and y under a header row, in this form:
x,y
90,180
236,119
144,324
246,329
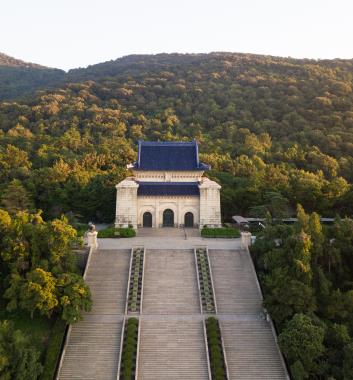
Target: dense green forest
x,y
18,78
265,124
277,132
306,271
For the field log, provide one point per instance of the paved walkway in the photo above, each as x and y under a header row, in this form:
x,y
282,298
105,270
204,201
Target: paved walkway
x,y
160,242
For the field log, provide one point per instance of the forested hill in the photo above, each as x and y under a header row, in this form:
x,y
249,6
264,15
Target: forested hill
x,y
273,129
19,78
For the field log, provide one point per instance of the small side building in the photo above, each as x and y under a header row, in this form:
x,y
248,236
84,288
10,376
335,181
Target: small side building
x,y
168,189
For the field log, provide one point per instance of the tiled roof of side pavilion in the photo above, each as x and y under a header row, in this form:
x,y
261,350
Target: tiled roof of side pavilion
x,y
168,155
168,188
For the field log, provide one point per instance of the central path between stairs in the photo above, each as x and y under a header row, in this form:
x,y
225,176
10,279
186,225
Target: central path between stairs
x,y
172,343
170,283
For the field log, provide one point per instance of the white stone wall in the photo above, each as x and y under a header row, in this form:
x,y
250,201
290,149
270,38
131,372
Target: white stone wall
x,y
130,208
126,203
210,204
179,205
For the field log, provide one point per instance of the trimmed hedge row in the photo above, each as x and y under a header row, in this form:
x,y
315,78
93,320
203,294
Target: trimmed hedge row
x,y
135,285
222,232
129,350
54,349
112,232
206,290
215,350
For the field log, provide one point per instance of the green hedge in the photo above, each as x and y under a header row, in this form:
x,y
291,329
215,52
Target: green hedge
x,y
54,349
215,351
128,356
223,232
112,232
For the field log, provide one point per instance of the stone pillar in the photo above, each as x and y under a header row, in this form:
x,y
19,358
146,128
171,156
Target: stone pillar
x,y
126,203
156,220
245,239
92,241
210,203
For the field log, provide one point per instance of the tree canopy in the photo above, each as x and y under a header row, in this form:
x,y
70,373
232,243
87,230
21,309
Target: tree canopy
x,y
265,125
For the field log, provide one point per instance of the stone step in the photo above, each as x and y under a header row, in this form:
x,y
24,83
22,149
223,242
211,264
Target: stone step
x,y
170,283
234,282
172,350
251,351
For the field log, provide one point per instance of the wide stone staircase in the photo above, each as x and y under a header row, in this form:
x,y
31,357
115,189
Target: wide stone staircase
x,y
172,350
234,282
93,344
170,283
252,353
172,342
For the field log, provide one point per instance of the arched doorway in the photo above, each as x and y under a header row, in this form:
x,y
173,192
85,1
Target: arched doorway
x,y
147,219
168,218
189,219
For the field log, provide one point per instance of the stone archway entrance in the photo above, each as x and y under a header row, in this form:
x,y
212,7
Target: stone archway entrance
x,y
189,220
147,219
168,218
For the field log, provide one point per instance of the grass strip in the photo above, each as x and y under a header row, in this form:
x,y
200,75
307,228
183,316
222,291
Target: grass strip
x,y
54,349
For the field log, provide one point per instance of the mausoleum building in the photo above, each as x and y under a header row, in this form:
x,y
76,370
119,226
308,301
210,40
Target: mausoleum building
x,y
168,189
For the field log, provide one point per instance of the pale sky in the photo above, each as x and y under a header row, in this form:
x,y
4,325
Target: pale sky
x,y
76,33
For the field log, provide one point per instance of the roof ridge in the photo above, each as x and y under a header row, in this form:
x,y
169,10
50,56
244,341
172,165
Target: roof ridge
x,y
152,143
167,183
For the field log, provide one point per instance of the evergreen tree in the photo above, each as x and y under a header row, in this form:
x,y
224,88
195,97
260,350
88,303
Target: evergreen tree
x,y
18,361
15,198
302,343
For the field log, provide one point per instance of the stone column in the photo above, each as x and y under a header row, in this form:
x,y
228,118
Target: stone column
x,y
126,203
92,239
245,239
156,220
210,204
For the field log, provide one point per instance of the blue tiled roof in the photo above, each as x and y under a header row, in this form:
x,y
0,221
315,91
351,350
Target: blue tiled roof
x,y
168,188
168,155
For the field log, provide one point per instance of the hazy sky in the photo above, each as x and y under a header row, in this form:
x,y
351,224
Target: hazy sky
x,y
73,33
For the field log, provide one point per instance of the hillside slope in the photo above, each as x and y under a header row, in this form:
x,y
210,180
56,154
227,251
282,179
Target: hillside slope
x,y
273,129
19,78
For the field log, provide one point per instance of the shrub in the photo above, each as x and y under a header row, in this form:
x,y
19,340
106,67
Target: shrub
x,y
126,232
128,356
215,350
112,232
223,232
54,349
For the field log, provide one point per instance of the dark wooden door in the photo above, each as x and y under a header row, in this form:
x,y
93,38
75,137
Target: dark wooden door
x,y
168,218
147,219
189,219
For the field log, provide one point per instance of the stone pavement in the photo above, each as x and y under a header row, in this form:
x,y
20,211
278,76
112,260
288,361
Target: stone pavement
x,y
160,242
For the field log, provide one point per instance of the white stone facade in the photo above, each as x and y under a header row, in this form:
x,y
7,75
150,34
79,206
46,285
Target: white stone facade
x,y
168,189
130,207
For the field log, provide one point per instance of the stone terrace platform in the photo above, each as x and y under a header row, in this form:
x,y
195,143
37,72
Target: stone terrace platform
x,y
168,242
